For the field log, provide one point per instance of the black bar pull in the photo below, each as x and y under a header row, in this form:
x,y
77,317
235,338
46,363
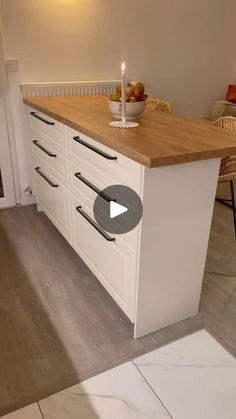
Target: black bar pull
x,y
96,226
93,187
42,119
38,170
36,142
95,149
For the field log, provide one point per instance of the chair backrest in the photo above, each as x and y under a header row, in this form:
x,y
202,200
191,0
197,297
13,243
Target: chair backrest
x,y
159,105
228,122
228,164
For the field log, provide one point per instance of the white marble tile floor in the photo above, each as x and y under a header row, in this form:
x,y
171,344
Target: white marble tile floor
x,y
192,378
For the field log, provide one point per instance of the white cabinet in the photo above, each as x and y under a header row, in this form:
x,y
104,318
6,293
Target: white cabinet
x,y
59,154
103,165
107,255
49,130
154,272
52,197
48,156
50,169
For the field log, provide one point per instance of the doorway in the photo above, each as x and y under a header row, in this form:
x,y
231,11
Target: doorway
x,y
7,192
1,186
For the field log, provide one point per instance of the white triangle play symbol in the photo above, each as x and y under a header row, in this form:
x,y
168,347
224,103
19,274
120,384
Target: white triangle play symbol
x,y
116,209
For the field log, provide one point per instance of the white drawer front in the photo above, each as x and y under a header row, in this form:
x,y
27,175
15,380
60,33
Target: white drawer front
x,y
84,180
107,171
113,263
53,199
49,130
50,157
86,194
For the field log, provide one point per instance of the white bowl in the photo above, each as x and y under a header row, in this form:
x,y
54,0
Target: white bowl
x,y
133,109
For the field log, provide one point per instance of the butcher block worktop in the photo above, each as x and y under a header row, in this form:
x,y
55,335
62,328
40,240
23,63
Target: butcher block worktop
x,y
160,140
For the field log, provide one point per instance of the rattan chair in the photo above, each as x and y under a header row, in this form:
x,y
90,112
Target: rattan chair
x,y
228,166
159,105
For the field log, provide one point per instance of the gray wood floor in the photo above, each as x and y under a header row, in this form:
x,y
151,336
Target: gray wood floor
x,y
218,300
58,325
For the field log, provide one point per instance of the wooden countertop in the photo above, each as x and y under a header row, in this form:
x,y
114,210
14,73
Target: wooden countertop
x,y
160,140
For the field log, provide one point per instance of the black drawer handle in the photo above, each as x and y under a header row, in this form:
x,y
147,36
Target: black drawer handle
x,y
38,170
42,119
103,233
93,187
95,149
35,142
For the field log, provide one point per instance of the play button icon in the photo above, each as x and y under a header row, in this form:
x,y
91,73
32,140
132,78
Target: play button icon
x,y
118,209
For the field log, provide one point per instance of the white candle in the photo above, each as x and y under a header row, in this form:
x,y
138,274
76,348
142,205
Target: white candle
x,y
123,93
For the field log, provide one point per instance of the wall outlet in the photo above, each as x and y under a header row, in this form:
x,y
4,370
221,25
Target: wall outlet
x,y
12,66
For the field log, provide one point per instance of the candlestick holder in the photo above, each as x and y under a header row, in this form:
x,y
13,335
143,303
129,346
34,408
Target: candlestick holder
x,y
132,112
124,124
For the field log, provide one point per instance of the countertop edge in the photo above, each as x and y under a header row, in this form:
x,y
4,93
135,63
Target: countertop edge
x,y
145,161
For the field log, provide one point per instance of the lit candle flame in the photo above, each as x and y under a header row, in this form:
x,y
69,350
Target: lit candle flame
x,y
123,67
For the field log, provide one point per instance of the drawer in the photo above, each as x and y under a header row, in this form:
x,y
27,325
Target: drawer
x,y
112,262
46,155
86,188
45,128
53,197
102,163
89,180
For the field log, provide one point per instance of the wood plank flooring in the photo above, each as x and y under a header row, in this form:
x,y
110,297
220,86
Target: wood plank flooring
x,y
218,300
58,326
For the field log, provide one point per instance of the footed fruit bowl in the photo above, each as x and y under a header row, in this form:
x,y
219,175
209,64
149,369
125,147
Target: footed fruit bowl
x,y
133,110
135,101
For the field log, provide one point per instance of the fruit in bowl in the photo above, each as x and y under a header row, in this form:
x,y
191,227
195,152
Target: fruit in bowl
x,y
135,101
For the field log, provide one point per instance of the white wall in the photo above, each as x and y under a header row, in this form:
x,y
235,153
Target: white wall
x,y
58,40
184,50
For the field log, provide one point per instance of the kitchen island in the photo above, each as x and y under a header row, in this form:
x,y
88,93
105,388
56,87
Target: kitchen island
x,y
154,272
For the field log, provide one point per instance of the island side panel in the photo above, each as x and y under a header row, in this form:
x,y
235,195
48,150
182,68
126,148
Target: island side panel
x,y
178,205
